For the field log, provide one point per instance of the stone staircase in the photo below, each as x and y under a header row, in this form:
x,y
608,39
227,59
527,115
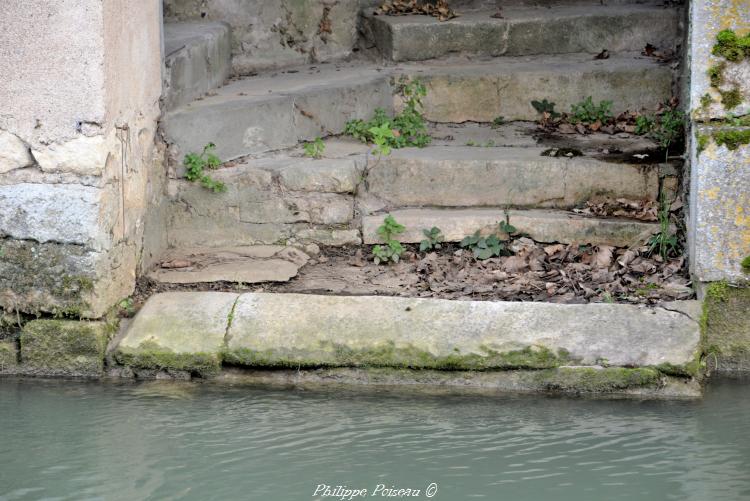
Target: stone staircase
x,y
476,68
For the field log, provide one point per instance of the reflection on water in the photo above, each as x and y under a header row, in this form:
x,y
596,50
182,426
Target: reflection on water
x,y
74,440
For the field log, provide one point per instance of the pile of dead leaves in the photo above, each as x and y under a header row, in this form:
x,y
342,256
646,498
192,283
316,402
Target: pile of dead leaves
x,y
435,8
556,273
643,210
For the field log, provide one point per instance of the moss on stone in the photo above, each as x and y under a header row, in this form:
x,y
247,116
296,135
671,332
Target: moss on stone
x,y
731,46
150,355
745,264
706,100
703,140
732,138
731,98
388,355
726,326
49,277
716,74
8,356
63,347
595,380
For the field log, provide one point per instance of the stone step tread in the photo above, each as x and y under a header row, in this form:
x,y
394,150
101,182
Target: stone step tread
x,y
270,112
525,30
547,226
198,59
304,330
242,264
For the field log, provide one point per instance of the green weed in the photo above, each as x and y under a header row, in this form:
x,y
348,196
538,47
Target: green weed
x,y
392,250
315,149
433,239
197,164
588,112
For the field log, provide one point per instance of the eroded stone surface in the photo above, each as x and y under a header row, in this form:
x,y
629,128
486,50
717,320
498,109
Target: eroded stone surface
x,y
291,330
540,225
182,331
14,154
727,325
247,265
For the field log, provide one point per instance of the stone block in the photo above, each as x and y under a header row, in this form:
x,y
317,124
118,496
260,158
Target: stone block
x,y
719,221
178,331
540,225
323,175
517,177
291,330
727,328
63,348
14,154
198,59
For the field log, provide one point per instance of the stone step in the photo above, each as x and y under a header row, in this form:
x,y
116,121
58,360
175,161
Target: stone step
x,y
525,30
460,91
254,115
258,114
465,176
541,225
198,331
198,59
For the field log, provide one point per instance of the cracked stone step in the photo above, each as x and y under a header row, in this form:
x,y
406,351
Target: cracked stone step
x,y
198,59
459,91
247,265
525,30
546,226
464,176
197,331
258,114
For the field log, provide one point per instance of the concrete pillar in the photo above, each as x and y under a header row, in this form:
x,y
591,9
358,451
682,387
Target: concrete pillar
x,y
79,102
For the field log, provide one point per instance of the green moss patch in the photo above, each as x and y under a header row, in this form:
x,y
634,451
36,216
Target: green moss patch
x,y
64,347
8,356
732,138
388,355
731,46
595,380
745,264
726,326
152,356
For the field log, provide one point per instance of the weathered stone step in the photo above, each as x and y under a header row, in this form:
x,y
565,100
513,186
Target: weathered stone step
x,y
525,30
197,331
465,176
541,225
259,114
482,91
198,59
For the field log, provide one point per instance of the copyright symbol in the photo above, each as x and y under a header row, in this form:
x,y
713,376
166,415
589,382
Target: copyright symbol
x,y
431,490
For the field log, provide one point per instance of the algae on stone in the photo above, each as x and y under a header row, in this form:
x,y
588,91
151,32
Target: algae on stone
x,y
8,356
726,325
63,347
597,380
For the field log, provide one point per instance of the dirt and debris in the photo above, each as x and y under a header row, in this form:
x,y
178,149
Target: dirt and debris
x,y
643,210
434,8
535,272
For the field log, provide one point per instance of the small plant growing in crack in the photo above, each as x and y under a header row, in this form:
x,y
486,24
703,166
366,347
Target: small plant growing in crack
x,y
588,112
392,250
197,165
434,239
483,247
315,149
664,243
498,122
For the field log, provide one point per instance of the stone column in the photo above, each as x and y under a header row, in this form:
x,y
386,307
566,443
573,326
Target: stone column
x,y
719,209
79,103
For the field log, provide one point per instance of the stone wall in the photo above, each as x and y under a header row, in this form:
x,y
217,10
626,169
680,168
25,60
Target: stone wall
x,y
76,150
275,33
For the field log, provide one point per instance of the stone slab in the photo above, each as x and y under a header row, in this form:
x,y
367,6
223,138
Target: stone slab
x,y
517,177
63,348
526,30
180,331
247,265
258,114
727,328
292,330
14,154
540,225
198,58
590,381
481,91
719,222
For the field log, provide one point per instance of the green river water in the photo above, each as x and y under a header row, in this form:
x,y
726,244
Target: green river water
x,y
74,440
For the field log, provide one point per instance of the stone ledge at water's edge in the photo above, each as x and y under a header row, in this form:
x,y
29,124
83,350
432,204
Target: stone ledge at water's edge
x,y
592,348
